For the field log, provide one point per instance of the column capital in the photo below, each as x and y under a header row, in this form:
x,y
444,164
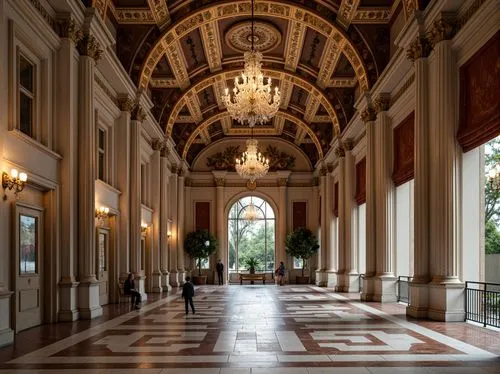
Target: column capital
x,y
368,115
330,168
282,182
382,103
220,181
173,169
339,152
67,28
443,28
347,144
157,144
125,104
188,182
164,151
138,114
323,171
89,46
419,48
181,173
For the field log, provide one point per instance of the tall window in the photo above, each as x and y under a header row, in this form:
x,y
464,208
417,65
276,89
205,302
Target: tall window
x,y
26,88
251,238
101,154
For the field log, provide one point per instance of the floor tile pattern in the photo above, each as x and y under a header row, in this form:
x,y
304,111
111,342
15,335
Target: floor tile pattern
x,y
262,329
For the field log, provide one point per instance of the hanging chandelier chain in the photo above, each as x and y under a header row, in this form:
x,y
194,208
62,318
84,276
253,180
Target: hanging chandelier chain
x,y
252,24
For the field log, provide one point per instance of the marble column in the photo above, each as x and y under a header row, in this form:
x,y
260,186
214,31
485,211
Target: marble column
x,y
321,274
180,227
68,148
446,291
368,116
283,214
385,281
418,290
173,185
164,223
332,234
219,178
341,249
351,275
137,118
88,290
155,275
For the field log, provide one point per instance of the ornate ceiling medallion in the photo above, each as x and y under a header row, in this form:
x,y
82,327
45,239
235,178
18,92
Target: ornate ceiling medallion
x,y
265,36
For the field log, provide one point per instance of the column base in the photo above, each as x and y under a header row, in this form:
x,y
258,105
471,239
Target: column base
x,y
68,310
88,300
156,282
140,283
6,333
419,300
385,289
339,287
368,293
173,278
331,279
165,284
321,278
446,302
351,283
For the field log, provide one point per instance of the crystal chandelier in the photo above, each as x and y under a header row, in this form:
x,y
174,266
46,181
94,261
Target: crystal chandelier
x,y
494,177
252,165
253,103
250,212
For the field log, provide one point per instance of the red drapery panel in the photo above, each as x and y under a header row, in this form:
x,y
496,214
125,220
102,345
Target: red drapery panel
x,y
202,215
299,217
404,160
479,96
336,199
360,196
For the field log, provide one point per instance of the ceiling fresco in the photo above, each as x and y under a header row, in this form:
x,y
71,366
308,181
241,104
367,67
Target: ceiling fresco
x,y
322,54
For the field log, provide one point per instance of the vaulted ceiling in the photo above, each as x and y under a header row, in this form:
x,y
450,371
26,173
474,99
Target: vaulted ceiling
x,y
323,54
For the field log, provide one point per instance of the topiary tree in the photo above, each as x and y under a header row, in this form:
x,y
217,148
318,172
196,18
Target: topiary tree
x,y
200,244
301,243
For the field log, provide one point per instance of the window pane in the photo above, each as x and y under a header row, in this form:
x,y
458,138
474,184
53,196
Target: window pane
x,y
205,263
26,70
28,250
297,263
25,114
100,166
102,252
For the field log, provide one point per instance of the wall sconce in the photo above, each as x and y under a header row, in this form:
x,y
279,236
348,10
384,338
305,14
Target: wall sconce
x,y
102,212
15,181
144,227
169,234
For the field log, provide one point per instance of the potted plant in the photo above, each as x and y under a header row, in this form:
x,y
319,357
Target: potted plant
x,y
200,244
251,263
301,243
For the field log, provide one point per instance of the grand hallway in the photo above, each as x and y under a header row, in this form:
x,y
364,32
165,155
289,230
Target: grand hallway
x,y
256,329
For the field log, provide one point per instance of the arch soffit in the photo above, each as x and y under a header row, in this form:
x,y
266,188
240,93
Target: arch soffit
x,y
220,116
268,199
221,77
291,12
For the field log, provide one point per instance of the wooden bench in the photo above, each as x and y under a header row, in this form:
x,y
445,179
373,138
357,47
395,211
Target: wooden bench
x,y
253,277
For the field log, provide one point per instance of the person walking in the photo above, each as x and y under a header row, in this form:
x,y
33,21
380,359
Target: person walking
x,y
129,289
220,271
188,294
280,272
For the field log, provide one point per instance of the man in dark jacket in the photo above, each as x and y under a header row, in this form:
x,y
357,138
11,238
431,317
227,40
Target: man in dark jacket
x,y
220,269
188,294
129,289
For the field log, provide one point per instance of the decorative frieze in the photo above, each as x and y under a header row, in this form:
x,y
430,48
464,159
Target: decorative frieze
x,y
45,15
160,11
295,41
442,29
368,115
419,48
346,12
89,46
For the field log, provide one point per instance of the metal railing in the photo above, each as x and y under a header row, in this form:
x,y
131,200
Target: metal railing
x,y
404,289
482,303
361,279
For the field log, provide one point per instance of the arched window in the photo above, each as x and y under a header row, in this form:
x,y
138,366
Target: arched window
x,y
251,233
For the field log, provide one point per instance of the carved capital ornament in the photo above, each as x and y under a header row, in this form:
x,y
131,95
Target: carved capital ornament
x,y
368,115
442,29
419,48
125,104
89,46
67,28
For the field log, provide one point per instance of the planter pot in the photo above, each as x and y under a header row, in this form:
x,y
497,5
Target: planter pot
x,y
299,279
199,279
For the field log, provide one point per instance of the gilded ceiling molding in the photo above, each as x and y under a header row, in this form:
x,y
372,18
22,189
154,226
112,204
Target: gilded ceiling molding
x,y
419,48
226,123
101,6
133,16
321,119
274,74
164,83
294,43
242,8
177,62
410,6
342,82
312,106
266,36
442,29
372,16
286,92
219,87
346,12
193,105
211,44
160,12
328,62
221,116
300,136
279,123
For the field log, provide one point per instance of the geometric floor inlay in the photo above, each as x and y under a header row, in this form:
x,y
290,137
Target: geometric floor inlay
x,y
259,329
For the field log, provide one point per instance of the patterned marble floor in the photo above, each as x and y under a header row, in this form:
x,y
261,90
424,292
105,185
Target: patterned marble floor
x,y
258,329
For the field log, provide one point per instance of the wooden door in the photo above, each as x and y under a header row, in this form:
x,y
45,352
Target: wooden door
x,y
28,272
103,265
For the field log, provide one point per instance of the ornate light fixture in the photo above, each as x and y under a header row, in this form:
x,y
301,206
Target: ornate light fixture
x,y
102,213
494,177
250,212
253,103
15,181
252,165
